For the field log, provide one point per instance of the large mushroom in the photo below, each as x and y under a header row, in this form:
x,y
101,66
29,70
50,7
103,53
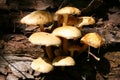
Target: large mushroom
x,y
42,65
67,32
45,39
93,40
66,11
37,18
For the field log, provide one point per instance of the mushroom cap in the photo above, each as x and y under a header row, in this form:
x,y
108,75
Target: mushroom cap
x,y
68,10
44,38
68,32
37,17
63,61
86,20
41,65
92,39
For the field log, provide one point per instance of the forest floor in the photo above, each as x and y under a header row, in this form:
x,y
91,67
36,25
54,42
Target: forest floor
x,y
17,53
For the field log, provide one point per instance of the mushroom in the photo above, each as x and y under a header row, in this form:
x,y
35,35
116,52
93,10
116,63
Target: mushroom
x,y
65,11
45,39
63,61
84,21
67,32
94,40
41,65
37,18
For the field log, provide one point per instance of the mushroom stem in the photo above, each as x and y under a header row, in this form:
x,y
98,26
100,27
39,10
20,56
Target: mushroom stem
x,y
62,68
72,53
83,48
97,58
80,25
49,52
89,53
65,19
41,27
60,20
74,48
65,45
80,28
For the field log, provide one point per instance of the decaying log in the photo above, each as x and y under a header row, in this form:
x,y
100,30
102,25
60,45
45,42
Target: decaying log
x,y
18,66
20,69
20,46
11,77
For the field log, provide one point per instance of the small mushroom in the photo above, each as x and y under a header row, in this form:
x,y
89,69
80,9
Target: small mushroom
x,y
93,40
41,65
84,21
66,11
37,18
45,39
63,61
67,32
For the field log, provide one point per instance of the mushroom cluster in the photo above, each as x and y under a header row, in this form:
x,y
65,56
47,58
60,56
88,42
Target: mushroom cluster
x,y
66,37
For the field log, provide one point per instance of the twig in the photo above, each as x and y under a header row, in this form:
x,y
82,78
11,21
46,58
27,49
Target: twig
x,y
90,3
98,59
61,4
89,53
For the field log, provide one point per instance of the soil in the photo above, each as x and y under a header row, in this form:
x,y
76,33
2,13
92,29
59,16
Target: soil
x,y
17,53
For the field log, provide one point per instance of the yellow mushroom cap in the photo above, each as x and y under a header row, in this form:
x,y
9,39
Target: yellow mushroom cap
x,y
68,32
44,38
68,10
41,65
63,61
37,17
86,20
92,39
